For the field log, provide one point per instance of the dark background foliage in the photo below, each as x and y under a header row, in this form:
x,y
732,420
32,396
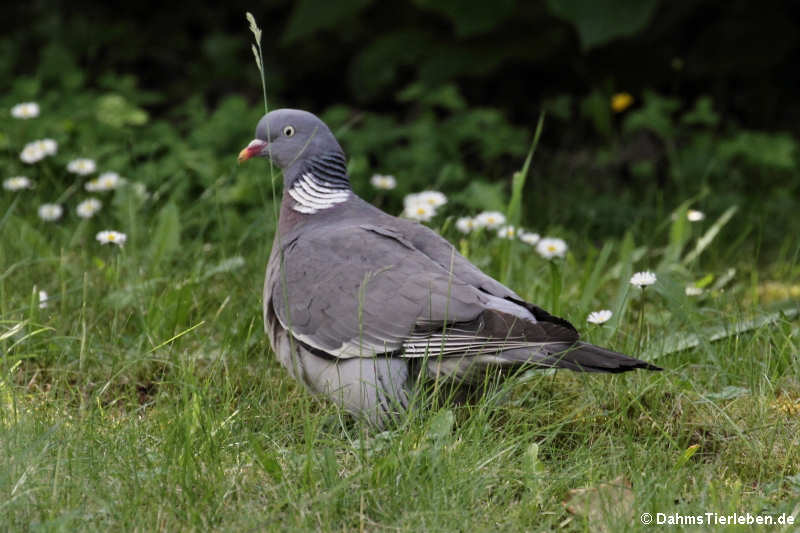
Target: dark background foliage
x,y
506,54
441,93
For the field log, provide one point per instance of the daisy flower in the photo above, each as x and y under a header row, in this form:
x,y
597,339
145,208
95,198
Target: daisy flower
x,y
529,238
32,153
693,215
42,299
691,290
643,279
410,199
17,183
88,208
48,146
490,219
420,211
422,206
551,247
111,237
599,317
81,166
381,181
465,224
507,232
25,110
432,198
50,212
106,181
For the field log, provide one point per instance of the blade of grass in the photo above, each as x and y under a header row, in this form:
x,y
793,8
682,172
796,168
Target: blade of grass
x,y
514,210
592,285
709,235
681,341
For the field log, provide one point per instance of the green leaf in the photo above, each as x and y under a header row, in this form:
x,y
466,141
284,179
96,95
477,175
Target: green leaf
x,y
559,106
622,270
702,114
441,425
480,195
116,111
166,238
447,96
268,463
380,61
655,115
704,282
533,464
729,393
776,150
471,17
596,108
601,21
679,234
593,283
681,341
686,455
310,16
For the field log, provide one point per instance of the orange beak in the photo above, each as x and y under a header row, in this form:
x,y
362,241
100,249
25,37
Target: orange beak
x,y
251,150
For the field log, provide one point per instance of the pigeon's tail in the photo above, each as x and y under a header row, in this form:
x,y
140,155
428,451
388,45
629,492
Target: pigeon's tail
x,y
580,357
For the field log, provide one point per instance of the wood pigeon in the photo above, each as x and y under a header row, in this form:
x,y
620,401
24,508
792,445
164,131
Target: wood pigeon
x,y
360,305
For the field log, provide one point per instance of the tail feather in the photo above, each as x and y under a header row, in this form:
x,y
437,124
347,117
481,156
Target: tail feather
x,y
580,357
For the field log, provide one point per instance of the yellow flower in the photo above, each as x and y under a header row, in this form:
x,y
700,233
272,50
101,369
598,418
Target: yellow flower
x,y
787,405
621,101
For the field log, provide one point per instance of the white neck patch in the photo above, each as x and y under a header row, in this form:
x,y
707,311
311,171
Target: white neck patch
x,y
312,194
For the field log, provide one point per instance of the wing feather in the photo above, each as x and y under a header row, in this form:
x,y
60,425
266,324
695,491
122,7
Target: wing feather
x,y
374,292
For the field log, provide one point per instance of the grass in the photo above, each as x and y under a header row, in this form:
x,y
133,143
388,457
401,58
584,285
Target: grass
x,y
145,397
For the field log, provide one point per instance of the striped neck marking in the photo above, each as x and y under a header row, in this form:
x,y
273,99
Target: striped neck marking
x,y
313,194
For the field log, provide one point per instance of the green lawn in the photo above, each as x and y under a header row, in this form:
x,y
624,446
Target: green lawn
x,y
145,396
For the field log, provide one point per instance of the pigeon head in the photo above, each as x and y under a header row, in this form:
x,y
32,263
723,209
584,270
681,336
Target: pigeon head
x,y
286,136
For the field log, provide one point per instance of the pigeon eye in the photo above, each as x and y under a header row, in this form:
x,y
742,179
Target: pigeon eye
x,y
288,131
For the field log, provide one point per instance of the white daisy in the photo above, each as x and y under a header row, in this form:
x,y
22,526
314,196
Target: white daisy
x,y
465,224
17,183
529,238
599,317
81,166
432,198
381,181
50,212
410,199
48,146
106,181
42,299
88,208
507,232
643,279
25,110
693,215
32,152
419,207
490,219
691,290
419,211
111,237
551,247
